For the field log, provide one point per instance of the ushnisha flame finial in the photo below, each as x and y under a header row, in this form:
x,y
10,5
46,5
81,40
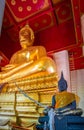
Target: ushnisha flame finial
x,y
62,83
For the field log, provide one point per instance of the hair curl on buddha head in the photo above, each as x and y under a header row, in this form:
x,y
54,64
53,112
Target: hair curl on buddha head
x,y
27,33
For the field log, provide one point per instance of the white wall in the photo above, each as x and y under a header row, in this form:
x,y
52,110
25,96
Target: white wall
x,y
77,83
62,62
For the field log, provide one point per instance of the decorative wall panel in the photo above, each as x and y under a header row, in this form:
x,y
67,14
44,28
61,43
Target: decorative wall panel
x,y
42,22
7,21
23,9
63,11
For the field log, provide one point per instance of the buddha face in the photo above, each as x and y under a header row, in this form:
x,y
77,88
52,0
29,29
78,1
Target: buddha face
x,y
26,36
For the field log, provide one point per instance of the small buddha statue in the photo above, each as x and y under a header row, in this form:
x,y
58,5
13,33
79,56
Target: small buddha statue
x,y
65,102
63,99
28,61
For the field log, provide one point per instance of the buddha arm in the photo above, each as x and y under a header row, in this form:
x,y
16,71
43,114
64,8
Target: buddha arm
x,y
34,55
37,53
8,67
15,69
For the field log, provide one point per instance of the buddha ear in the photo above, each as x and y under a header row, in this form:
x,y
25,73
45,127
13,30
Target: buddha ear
x,y
32,35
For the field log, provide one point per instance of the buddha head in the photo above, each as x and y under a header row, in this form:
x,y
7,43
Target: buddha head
x,y
62,83
26,36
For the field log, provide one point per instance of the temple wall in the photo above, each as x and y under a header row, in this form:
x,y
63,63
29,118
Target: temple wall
x,y
62,62
77,83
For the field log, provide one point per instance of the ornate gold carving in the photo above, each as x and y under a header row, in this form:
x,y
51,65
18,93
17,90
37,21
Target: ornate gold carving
x,y
44,21
36,24
20,9
23,0
29,8
35,1
13,2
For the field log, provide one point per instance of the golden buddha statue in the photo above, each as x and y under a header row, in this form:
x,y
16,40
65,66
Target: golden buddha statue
x,y
27,62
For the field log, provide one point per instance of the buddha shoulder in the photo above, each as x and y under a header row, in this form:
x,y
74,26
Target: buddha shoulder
x,y
18,56
40,48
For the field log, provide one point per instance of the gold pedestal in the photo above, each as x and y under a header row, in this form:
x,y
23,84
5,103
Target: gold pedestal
x,y
36,83
21,110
